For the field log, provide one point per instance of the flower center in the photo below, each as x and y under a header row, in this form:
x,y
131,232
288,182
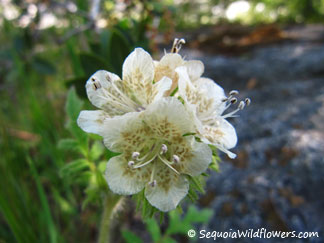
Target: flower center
x,y
158,151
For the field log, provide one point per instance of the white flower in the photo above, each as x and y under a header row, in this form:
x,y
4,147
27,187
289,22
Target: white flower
x,y
166,67
155,155
116,97
207,102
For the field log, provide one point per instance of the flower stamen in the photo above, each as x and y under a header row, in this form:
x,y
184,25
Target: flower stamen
x,y
135,155
131,163
164,149
176,159
240,107
152,182
167,163
233,92
145,163
177,44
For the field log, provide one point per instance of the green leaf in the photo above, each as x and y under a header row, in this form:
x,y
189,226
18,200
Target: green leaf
x,y
69,144
130,237
97,150
84,177
76,63
214,164
192,195
101,182
119,50
79,84
74,167
194,181
195,216
92,195
43,66
102,166
44,202
110,154
73,104
154,229
80,135
105,44
168,240
175,224
92,63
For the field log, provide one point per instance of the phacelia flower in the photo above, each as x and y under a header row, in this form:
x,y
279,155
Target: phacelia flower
x,y
207,102
166,67
134,92
155,154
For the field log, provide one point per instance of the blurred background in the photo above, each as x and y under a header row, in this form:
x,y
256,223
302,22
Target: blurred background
x,y
272,51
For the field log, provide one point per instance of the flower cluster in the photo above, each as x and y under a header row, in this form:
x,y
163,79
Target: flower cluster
x,y
162,117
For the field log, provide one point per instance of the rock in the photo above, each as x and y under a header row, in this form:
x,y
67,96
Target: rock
x,y
277,180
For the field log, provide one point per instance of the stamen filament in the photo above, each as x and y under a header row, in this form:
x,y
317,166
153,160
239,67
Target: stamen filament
x,y
230,114
147,154
146,163
223,149
152,174
167,163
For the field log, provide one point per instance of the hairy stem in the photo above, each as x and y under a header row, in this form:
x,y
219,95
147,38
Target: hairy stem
x,y
110,205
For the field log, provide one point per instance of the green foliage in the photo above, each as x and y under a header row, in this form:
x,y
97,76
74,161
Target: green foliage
x,y
177,225
130,237
52,175
214,164
85,171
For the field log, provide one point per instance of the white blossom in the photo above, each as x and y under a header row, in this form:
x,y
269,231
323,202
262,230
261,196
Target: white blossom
x,y
207,102
155,156
134,92
166,67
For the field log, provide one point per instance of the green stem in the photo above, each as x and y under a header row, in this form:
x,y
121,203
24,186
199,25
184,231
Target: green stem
x,y
110,204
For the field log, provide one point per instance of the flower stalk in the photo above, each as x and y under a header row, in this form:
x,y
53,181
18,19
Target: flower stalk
x,y
111,203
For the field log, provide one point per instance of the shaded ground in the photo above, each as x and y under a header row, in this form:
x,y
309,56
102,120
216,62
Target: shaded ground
x,y
277,180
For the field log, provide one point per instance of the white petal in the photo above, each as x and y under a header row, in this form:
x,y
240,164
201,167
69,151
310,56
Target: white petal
x,y
92,121
186,88
195,69
223,134
122,179
161,87
168,115
138,74
102,94
187,91
171,60
169,190
119,130
212,91
198,160
166,68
